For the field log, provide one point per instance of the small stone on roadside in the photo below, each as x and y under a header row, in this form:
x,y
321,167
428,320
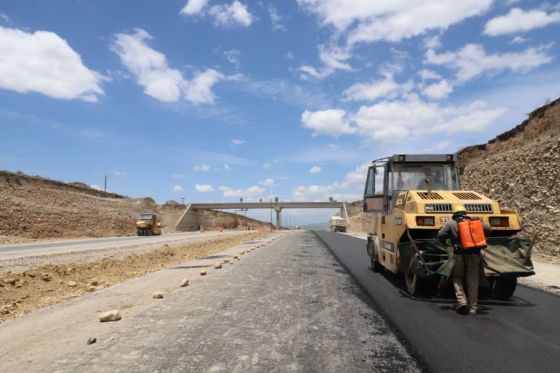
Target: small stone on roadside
x,y
218,265
158,295
203,273
11,281
113,315
91,340
94,282
236,257
46,277
91,289
185,282
31,274
226,261
72,284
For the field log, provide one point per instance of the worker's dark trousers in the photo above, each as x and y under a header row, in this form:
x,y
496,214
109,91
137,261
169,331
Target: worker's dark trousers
x,y
470,263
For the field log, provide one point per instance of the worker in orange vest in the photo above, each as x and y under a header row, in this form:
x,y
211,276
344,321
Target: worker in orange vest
x,y
467,262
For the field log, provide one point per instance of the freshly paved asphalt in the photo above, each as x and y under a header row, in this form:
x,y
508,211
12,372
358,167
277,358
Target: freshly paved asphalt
x,y
520,335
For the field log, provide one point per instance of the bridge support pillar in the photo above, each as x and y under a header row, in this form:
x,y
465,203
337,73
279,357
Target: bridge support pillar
x,y
278,210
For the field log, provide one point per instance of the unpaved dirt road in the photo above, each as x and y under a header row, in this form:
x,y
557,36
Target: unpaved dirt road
x,y
288,306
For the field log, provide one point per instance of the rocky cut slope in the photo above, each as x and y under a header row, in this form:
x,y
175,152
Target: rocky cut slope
x,y
525,179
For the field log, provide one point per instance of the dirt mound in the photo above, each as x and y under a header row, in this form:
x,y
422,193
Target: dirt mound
x,y
36,208
542,124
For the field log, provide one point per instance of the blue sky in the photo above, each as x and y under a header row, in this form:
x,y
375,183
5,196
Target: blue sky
x,y
216,100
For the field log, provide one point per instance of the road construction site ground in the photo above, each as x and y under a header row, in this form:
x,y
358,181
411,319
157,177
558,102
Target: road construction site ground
x,y
287,306
33,283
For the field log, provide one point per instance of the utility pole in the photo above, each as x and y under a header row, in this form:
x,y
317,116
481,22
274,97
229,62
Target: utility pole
x,y
105,189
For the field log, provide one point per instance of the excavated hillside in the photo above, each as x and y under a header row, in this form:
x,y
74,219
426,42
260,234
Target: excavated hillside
x,y
525,179
35,208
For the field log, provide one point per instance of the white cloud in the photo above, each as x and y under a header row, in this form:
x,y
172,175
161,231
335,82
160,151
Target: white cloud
x,y
472,60
333,58
226,166
235,142
232,55
377,89
193,7
43,62
518,40
234,14
177,189
370,21
253,191
4,17
426,74
267,182
439,90
96,187
204,188
269,165
202,168
315,170
275,18
333,122
148,66
199,90
392,121
121,173
519,20
159,80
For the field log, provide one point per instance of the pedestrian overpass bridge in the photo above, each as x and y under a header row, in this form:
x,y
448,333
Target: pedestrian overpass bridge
x,y
188,218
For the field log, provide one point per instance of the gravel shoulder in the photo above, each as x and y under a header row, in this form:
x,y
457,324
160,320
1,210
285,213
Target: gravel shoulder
x,y
288,306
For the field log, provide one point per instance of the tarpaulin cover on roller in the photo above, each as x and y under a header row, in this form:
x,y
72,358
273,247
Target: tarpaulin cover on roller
x,y
504,255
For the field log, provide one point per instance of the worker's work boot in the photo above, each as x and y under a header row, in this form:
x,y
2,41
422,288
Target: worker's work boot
x,y
462,309
472,311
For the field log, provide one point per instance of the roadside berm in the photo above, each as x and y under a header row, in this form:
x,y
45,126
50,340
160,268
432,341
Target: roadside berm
x,y
21,292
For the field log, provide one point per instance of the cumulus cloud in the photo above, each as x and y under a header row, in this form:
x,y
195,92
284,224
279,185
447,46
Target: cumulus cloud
x,y
315,170
160,81
199,90
204,188
177,189
234,14
438,90
519,20
370,21
333,122
426,74
472,61
384,88
193,7
45,63
250,192
391,121
202,168
267,182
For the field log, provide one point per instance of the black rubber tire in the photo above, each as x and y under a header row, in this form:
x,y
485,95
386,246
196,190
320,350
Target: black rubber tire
x,y
375,265
411,282
504,287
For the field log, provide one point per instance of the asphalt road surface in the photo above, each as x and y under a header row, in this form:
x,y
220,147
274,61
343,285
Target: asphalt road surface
x,y
288,306
57,247
520,335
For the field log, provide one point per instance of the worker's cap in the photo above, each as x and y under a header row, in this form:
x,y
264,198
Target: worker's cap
x,y
459,210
